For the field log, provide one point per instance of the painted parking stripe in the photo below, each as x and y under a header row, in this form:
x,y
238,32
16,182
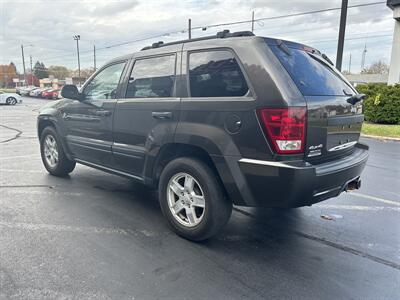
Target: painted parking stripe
x,y
76,229
358,207
19,156
391,202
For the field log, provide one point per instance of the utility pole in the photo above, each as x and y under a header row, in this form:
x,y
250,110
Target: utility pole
x,y
77,38
190,28
363,57
23,63
342,30
94,57
252,21
350,64
30,58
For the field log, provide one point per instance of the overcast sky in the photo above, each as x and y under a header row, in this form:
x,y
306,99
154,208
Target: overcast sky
x,y
49,27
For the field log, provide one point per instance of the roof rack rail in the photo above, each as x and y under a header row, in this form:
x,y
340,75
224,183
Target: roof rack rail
x,y
220,35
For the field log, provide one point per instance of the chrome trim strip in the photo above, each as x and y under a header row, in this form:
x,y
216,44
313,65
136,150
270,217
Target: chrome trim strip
x,y
84,162
343,146
268,163
326,191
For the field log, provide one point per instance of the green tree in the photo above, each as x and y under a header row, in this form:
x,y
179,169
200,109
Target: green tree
x,y
59,72
40,70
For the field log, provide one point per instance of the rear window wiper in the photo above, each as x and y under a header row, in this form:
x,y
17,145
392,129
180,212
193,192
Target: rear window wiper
x,y
324,56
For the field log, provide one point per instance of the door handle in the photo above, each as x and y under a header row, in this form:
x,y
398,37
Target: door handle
x,y
103,113
161,114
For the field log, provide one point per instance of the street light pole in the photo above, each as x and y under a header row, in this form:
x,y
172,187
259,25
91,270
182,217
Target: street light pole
x,y
190,28
252,21
94,57
342,30
77,38
23,62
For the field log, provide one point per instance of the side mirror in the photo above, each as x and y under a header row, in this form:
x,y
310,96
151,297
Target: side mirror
x,y
70,91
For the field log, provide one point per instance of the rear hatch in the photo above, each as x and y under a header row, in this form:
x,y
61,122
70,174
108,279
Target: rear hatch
x,y
334,109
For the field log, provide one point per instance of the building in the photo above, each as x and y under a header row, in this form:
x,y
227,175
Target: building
x,y
357,79
51,82
394,69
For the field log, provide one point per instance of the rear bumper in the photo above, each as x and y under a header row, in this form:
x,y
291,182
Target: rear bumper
x,y
296,183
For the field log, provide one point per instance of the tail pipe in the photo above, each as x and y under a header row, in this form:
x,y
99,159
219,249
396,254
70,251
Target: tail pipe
x,y
353,185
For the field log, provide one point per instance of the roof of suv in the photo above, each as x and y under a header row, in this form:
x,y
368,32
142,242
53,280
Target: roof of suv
x,y
155,46
220,37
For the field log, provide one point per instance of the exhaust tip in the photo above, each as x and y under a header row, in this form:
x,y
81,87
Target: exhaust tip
x,y
353,185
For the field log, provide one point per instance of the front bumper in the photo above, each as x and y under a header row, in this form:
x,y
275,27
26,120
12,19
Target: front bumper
x,y
297,183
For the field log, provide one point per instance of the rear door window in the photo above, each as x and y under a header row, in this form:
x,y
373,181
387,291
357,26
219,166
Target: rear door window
x,y
310,73
152,78
215,74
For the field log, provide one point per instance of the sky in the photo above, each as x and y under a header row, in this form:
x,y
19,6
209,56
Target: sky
x,y
46,28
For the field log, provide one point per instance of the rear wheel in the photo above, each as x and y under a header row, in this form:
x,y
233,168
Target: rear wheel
x,y
192,199
11,101
53,156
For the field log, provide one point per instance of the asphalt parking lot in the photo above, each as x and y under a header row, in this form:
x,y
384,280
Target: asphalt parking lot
x,y
98,236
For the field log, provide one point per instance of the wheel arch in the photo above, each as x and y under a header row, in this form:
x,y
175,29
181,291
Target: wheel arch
x,y
175,150
49,121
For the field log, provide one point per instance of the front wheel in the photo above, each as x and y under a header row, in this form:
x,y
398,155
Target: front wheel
x,y
192,199
11,101
53,157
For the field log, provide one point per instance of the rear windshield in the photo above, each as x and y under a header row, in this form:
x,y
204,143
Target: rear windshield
x,y
312,76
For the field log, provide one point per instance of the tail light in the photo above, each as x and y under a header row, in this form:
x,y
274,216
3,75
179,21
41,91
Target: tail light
x,y
285,128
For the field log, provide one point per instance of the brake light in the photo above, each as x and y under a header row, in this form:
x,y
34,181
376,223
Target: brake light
x,y
285,128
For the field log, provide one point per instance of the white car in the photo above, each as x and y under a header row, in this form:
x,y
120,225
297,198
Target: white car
x,y
24,91
35,92
10,98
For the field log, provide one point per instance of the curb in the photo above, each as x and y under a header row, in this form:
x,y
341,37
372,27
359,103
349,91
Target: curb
x,y
385,138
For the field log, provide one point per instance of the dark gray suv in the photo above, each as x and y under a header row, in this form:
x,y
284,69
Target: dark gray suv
x,y
211,122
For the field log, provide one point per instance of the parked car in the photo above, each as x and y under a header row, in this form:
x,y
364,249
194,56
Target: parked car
x,y
211,122
34,92
37,92
24,91
10,98
50,94
44,90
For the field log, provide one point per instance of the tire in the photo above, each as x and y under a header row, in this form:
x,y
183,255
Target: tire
x,y
201,223
11,101
58,164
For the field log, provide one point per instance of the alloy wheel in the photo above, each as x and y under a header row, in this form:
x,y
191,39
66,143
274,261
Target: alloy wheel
x,y
50,151
186,199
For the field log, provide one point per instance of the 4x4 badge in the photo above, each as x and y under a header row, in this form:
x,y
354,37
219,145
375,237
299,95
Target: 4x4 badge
x,y
315,147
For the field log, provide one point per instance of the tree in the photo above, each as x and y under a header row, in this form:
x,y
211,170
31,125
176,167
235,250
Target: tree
x,y
378,67
85,73
32,80
59,72
7,73
40,71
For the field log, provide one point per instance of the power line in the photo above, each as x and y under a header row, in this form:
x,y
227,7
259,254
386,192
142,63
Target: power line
x,y
233,23
289,15
166,34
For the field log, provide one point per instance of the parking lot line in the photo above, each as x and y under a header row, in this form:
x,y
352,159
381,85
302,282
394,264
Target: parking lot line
x,y
358,207
75,229
19,156
376,199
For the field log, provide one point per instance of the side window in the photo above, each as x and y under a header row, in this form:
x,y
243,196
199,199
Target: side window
x,y
104,84
152,78
215,74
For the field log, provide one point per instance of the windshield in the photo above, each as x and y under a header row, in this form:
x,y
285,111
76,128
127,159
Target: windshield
x,y
312,75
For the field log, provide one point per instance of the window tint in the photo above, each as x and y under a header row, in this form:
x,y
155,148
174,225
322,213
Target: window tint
x,y
104,85
215,74
312,76
152,78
